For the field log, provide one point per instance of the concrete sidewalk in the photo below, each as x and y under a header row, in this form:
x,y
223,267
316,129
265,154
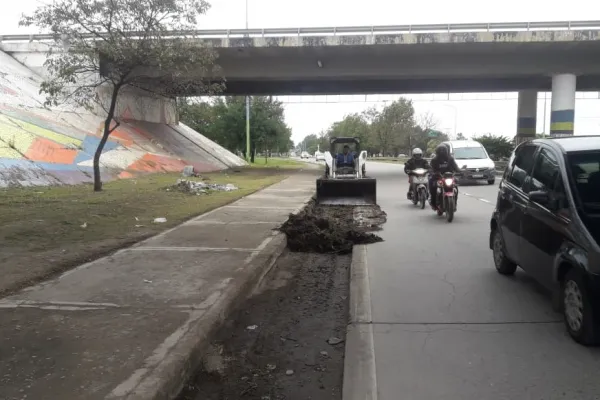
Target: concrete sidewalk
x,y
133,325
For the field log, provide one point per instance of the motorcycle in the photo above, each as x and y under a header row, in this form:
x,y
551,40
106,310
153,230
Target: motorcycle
x,y
446,195
419,192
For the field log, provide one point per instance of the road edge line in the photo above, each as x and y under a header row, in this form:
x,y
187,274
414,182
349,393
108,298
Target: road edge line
x,y
360,375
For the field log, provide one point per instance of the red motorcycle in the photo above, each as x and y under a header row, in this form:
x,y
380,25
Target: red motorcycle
x,y
446,195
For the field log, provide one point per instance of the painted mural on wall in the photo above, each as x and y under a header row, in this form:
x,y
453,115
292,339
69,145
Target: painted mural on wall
x,y
47,147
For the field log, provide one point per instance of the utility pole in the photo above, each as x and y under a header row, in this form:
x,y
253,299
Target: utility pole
x,y
248,157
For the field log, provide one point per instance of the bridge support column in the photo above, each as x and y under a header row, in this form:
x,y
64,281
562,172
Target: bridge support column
x,y
526,116
562,118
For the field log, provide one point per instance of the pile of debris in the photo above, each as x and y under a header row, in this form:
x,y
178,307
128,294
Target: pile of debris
x,y
199,187
333,230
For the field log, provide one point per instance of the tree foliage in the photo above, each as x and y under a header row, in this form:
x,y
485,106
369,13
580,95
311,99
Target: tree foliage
x,y
496,146
223,120
387,131
95,56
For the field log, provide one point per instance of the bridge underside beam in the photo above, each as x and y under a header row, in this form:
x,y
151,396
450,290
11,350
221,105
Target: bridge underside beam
x,y
419,68
391,86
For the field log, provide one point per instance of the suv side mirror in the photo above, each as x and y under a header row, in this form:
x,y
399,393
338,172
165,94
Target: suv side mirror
x,y
543,198
540,197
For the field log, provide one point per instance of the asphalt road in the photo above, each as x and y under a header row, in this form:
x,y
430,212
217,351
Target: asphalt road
x,y
447,326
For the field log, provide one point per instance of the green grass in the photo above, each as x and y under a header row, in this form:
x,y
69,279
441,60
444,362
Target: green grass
x,y
274,162
394,160
42,231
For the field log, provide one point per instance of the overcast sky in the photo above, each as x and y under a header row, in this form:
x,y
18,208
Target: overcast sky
x,y
470,117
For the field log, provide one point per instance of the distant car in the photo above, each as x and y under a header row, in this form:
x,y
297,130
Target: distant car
x,y
319,156
304,155
472,154
547,221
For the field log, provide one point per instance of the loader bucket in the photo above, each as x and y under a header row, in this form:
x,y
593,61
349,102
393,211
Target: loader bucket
x,y
352,192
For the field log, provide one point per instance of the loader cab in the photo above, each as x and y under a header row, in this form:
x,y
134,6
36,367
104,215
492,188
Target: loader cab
x,y
345,160
345,152
345,181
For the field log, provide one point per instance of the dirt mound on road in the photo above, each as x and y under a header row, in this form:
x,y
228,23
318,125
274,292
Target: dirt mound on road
x,y
332,229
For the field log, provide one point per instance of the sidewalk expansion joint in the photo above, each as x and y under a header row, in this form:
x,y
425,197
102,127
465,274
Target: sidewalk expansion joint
x,y
216,222
205,249
262,207
89,306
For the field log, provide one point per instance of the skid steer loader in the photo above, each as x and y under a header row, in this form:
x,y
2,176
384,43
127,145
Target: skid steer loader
x,y
346,184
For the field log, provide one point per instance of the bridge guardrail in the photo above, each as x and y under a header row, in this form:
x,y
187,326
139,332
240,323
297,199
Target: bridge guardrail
x,y
345,30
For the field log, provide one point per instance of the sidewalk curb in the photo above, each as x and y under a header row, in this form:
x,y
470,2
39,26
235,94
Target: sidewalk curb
x,y
360,378
164,379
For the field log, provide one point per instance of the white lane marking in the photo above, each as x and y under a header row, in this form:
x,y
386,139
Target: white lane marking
x,y
478,198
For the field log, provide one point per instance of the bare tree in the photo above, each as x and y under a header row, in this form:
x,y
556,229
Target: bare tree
x,y
427,121
115,44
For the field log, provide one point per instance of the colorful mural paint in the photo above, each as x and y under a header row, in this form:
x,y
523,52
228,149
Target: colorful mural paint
x,y
49,147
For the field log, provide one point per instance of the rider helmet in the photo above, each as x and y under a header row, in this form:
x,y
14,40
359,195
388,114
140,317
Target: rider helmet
x,y
441,151
417,153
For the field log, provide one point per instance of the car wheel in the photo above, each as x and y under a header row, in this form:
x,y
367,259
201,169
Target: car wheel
x,y
491,181
503,265
578,311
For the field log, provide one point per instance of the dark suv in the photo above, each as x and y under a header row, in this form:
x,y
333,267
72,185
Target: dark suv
x,y
547,221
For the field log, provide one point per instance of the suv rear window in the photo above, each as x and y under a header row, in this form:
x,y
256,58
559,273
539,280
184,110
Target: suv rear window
x,y
585,182
545,173
585,174
522,165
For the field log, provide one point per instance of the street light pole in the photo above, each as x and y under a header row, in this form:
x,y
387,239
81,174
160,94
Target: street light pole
x,y
455,117
545,108
248,157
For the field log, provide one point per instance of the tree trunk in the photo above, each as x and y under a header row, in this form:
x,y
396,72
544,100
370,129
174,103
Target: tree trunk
x,y
252,152
105,135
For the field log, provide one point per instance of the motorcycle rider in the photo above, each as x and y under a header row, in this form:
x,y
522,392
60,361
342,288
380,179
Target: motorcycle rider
x,y
442,162
417,161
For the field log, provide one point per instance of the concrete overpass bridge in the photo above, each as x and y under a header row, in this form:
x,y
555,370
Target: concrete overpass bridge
x,y
524,57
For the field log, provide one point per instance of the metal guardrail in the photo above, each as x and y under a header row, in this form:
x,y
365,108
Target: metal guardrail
x,y
370,30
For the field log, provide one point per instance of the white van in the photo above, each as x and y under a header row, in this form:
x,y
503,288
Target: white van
x,y
473,156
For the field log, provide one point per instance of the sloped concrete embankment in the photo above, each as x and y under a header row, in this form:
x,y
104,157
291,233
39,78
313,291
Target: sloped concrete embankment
x,y
41,146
